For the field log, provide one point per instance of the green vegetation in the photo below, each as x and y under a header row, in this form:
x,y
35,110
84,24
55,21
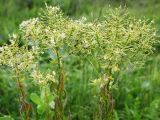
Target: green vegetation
x,y
135,94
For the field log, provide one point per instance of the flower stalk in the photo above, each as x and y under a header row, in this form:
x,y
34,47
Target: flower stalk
x,y
59,110
25,108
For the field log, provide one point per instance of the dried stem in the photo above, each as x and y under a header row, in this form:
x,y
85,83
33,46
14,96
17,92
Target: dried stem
x,y
24,107
59,110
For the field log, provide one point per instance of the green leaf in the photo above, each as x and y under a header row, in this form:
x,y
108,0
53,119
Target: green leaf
x,y
35,98
43,94
50,98
41,109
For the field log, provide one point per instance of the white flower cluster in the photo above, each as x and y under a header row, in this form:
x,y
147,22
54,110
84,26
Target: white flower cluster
x,y
31,22
43,78
52,10
116,41
17,57
31,28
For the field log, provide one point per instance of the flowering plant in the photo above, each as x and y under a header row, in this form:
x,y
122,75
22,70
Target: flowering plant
x,y
115,42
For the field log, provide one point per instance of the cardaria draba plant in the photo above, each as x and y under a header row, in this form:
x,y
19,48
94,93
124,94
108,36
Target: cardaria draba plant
x,y
20,59
116,42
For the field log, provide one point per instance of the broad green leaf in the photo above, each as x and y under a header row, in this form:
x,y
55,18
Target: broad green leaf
x,y
43,91
35,98
41,109
50,98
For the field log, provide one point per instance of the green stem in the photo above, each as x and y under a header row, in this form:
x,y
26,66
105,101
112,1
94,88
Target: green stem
x,y
47,106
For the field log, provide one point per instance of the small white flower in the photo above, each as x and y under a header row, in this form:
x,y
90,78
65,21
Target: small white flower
x,y
21,66
46,30
54,73
154,34
52,104
63,35
14,36
83,19
23,24
52,41
1,49
28,24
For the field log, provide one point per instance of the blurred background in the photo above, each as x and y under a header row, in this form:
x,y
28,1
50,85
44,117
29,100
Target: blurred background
x,y
137,94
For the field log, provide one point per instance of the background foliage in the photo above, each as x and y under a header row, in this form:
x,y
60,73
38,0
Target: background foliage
x,y
137,93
